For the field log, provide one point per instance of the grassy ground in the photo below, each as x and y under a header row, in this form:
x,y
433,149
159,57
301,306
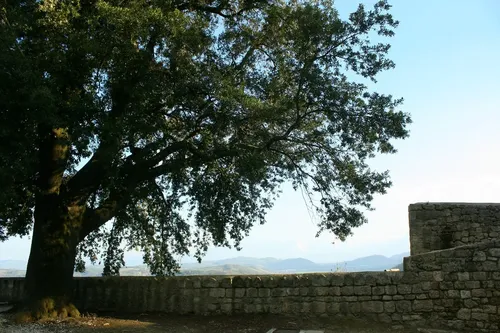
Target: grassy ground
x,y
197,324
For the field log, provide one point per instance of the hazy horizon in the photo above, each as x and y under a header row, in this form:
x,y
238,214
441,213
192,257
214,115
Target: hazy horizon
x,y
446,55
134,260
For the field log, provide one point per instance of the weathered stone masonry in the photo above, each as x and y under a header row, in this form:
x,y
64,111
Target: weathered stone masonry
x,y
458,287
440,226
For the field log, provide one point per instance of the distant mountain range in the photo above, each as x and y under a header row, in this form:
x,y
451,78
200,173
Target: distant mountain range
x,y
240,266
301,265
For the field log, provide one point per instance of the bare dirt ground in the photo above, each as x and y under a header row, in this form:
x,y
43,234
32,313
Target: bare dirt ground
x,y
156,323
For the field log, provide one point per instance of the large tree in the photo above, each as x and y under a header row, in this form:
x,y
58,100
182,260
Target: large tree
x,y
178,121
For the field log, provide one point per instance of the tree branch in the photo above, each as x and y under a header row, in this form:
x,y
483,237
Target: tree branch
x,y
219,10
93,219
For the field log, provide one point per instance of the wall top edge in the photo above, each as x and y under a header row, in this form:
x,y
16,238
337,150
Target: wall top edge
x,y
456,203
225,277
474,246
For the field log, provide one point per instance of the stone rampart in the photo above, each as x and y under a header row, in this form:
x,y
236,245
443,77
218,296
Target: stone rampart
x,y
440,226
457,287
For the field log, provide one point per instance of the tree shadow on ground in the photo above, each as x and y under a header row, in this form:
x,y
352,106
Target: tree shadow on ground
x,y
156,323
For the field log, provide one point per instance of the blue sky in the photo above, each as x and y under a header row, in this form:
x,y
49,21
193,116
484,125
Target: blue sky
x,y
447,70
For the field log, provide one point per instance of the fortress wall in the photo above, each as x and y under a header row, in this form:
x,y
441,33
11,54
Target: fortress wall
x,y
439,226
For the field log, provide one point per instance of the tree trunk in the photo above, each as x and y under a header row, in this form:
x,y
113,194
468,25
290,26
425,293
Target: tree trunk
x,y
49,276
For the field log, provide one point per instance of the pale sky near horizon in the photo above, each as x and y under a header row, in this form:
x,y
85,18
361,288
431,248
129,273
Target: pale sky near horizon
x,y
446,54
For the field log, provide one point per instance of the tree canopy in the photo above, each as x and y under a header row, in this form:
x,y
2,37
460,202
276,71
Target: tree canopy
x,y
179,120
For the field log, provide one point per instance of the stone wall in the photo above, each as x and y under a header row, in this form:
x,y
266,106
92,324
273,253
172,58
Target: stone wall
x,y
439,226
458,287
382,296
463,285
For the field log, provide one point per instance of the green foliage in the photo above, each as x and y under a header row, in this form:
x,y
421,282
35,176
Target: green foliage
x,y
188,116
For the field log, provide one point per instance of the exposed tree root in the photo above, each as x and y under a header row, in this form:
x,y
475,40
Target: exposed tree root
x,y
44,309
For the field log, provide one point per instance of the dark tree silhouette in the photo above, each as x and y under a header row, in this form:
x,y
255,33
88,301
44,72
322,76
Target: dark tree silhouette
x,y
177,122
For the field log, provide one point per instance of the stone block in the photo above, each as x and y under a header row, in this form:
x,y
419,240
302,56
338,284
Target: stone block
x,y
469,303
404,289
320,280
333,307
212,307
354,307
391,290
451,266
252,292
378,290
372,306
488,284
479,276
321,291
217,292
238,282
306,307
349,279
270,282
493,309
278,292
426,285
389,307
239,292
346,290
384,318
226,282
319,307
209,282
408,277
334,291
359,279
479,316
372,278
478,293
382,279
286,281
257,282
464,314
479,256
423,305
196,282
304,281
362,290
472,284
446,285
489,266
337,279
416,288
403,306
437,276
226,308
249,308
264,292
